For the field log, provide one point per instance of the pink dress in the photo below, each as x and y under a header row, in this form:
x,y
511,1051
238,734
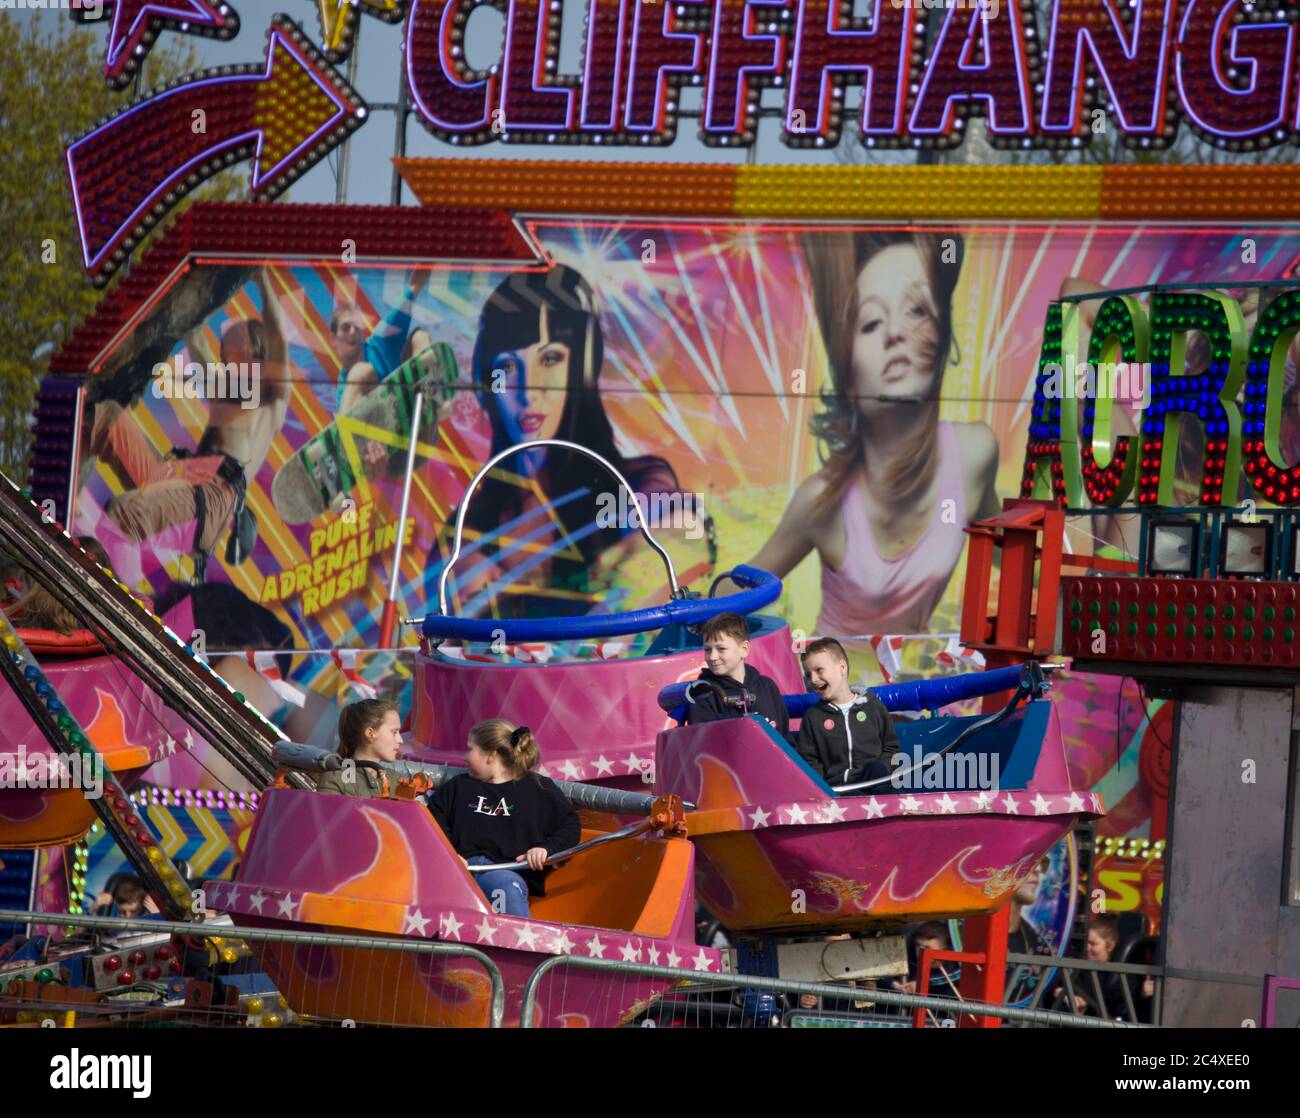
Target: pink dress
x,y
872,595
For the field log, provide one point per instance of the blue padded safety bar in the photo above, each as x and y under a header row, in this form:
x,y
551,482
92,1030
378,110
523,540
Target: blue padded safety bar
x,y
920,694
762,589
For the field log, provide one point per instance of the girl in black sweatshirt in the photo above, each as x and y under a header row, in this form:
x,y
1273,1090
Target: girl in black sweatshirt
x,y
502,811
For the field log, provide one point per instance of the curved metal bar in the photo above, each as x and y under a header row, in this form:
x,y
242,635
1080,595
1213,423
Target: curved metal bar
x,y
764,589
920,694
630,831
313,759
1031,686
565,445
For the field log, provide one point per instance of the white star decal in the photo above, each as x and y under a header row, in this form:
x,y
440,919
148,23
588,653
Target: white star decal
x,y
570,770
633,763
947,805
604,766
874,808
1076,802
527,937
595,948
631,954
674,960
486,932
1009,802
652,953
796,813
701,960
1041,806
564,945
257,900
449,927
832,813
982,801
910,803
414,922
286,904
759,817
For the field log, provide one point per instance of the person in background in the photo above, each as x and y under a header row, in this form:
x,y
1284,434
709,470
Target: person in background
x,y
932,935
131,900
369,730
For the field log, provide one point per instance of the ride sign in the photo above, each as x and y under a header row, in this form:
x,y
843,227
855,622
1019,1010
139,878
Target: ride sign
x,y
1237,398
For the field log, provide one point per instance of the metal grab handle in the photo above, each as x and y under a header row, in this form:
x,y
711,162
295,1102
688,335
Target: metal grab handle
x,y
565,445
1032,685
630,831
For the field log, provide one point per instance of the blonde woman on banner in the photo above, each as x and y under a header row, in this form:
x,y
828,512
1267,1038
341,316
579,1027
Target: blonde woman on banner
x,y
886,510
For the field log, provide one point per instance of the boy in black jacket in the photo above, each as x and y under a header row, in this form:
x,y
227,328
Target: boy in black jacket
x,y
744,689
845,738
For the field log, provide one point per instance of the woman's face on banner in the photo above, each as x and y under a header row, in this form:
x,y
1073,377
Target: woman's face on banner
x,y
896,332
533,387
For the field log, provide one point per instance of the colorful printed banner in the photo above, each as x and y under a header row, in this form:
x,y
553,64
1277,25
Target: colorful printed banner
x,y
767,391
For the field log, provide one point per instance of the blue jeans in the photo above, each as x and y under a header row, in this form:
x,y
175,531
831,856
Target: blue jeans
x,y
505,890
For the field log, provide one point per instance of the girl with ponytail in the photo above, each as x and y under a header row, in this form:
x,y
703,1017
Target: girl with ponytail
x,y
503,811
370,730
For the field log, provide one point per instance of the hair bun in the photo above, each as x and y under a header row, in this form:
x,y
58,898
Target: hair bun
x,y
518,734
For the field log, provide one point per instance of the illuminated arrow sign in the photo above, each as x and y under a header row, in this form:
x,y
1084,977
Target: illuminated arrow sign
x,y
132,168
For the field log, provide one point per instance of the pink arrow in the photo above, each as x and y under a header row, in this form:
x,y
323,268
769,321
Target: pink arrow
x,y
132,168
136,23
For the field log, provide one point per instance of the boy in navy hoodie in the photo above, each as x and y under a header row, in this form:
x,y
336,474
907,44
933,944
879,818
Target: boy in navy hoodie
x,y
845,738
737,688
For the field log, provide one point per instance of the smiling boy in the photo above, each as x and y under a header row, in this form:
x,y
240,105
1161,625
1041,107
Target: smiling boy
x,y
846,738
738,688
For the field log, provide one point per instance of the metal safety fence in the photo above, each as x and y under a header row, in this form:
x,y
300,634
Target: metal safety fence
x,y
706,1000
1128,992
108,972
100,971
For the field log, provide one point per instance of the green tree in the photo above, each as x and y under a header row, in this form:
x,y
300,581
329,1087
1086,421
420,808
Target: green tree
x,y
53,90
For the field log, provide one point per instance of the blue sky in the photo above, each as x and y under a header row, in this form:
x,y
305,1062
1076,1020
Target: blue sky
x,y
380,71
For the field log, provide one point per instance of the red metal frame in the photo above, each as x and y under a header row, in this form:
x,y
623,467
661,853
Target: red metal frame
x,y
930,955
1019,625
258,231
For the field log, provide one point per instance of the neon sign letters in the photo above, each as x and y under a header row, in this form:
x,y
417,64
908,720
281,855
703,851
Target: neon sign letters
x,y
1236,397
1137,66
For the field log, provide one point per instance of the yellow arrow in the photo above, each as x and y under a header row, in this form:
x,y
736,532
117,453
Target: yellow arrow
x,y
338,19
170,834
215,840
